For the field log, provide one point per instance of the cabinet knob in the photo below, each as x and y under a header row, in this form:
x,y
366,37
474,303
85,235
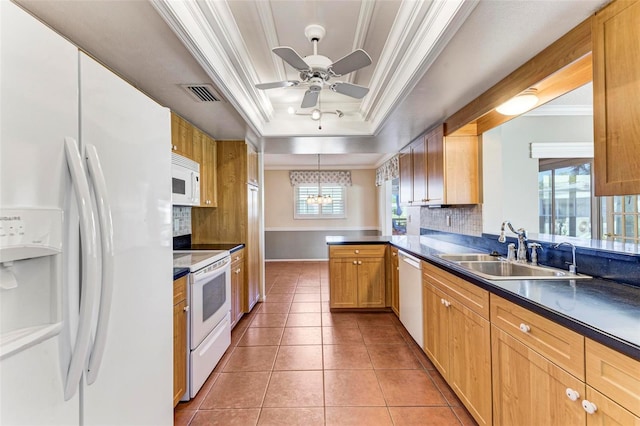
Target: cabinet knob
x,y
525,328
445,302
394,253
355,262
356,251
572,394
186,308
237,271
359,262
175,147
589,406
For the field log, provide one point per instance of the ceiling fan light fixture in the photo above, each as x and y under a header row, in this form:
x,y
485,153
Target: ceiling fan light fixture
x,y
316,114
519,104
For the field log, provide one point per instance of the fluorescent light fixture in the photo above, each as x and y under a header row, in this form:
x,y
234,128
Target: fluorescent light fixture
x,y
316,114
519,104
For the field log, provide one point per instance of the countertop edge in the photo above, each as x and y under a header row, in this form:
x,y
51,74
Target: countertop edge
x,y
180,272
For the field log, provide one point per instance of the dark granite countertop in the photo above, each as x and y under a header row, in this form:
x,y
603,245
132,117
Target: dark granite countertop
x,y
179,272
217,246
603,310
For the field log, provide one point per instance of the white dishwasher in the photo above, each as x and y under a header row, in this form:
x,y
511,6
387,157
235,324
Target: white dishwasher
x,y
411,296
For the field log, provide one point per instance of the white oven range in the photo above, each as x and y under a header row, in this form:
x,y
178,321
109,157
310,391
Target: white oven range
x,y
209,324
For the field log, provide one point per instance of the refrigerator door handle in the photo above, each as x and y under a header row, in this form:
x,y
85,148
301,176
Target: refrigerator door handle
x,y
106,239
89,247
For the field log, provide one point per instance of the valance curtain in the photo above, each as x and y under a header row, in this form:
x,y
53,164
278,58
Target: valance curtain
x,y
389,170
338,177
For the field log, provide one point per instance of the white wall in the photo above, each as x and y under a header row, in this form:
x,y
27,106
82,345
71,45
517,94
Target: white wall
x,y
510,177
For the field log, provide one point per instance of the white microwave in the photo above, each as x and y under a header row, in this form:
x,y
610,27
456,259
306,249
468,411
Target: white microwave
x,y
185,181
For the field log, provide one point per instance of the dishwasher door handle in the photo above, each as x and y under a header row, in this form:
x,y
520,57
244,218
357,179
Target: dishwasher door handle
x,y
410,260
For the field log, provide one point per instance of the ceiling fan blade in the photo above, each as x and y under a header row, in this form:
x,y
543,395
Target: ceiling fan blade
x,y
353,61
276,84
310,99
349,89
291,57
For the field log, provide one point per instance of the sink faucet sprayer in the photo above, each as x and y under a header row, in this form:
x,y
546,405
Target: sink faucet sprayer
x,y
572,267
522,240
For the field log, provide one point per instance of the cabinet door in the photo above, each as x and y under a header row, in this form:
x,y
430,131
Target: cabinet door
x,y
371,281
209,190
435,166
528,389
395,282
179,350
253,248
616,90
436,328
418,159
470,360
608,413
343,283
462,170
181,136
237,281
406,176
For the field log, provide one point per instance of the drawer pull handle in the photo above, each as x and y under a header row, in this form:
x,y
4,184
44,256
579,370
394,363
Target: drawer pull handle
x,y
525,328
446,303
589,406
186,308
572,394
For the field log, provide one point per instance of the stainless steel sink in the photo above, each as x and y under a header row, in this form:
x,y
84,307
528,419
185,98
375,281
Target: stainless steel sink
x,y
469,257
501,270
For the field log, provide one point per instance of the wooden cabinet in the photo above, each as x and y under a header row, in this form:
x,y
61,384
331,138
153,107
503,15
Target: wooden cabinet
x,y
181,136
394,278
180,310
237,285
438,170
616,90
612,376
237,217
528,389
357,276
208,176
457,338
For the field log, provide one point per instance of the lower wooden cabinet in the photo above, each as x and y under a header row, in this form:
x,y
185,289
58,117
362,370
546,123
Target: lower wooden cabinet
x,y
395,281
457,340
180,311
357,276
528,389
237,285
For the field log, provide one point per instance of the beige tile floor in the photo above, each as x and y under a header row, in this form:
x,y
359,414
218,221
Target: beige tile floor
x,y
292,362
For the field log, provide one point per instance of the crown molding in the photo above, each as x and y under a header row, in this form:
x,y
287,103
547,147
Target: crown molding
x,y
271,35
362,28
410,52
215,52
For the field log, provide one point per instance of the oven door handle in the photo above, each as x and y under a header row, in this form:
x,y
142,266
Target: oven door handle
x,y
203,276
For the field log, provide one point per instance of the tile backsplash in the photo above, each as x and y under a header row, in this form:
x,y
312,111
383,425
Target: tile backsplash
x,y
465,220
181,220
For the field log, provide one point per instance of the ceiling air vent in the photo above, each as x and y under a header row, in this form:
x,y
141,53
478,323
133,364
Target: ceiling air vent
x,y
202,92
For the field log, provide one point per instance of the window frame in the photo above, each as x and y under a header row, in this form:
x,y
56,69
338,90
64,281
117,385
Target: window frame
x,y
302,216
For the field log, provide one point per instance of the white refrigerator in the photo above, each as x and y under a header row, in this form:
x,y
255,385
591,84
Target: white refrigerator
x,y
85,238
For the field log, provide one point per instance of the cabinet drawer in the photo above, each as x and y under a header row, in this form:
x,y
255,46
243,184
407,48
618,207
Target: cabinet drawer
x,y
615,375
180,289
237,256
366,250
472,296
557,343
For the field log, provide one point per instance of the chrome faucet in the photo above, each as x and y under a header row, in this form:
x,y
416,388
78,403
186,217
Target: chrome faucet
x,y
572,267
534,252
521,256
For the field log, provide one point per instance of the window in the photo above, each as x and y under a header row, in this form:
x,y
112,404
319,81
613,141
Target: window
x,y
621,218
335,210
565,200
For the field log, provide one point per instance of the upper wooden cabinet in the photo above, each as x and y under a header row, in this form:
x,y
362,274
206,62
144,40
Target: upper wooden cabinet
x,y
435,170
208,175
616,90
181,136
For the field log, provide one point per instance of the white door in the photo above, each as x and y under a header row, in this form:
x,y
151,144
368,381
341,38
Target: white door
x,y
39,104
131,134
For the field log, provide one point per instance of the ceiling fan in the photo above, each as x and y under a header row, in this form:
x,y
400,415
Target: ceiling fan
x,y
316,70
